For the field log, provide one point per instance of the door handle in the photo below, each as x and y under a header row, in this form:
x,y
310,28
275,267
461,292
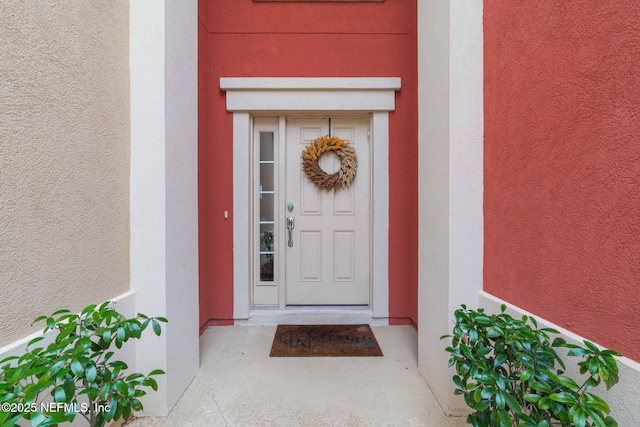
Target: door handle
x,y
290,226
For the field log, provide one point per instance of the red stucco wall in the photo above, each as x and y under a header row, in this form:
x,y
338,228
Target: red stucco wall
x,y
241,38
562,163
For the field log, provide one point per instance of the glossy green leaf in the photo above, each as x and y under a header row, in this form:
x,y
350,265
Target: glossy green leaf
x,y
512,403
482,351
136,405
126,410
610,363
150,382
134,376
51,323
488,392
483,405
598,420
598,403
53,369
563,398
38,419
495,332
121,386
505,419
91,373
477,395
89,309
156,327
593,365
32,342
38,319
77,368
457,380
69,386
578,352
526,374
612,380
59,394
530,397
500,400
592,347
568,382
578,416
104,391
113,407
610,422
544,403
135,329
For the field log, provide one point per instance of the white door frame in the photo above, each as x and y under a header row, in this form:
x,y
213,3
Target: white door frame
x,y
247,96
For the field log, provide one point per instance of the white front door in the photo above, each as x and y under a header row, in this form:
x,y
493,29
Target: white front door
x,y
328,262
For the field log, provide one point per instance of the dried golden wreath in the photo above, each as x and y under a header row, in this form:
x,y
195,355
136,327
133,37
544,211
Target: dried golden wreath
x,y
348,163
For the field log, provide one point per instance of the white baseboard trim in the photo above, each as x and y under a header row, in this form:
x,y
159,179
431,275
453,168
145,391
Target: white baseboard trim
x,y
622,398
125,304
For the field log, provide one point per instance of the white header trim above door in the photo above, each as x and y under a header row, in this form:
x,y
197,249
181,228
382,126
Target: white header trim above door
x,y
281,83
276,95
310,94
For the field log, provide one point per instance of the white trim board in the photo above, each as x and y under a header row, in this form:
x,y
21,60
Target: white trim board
x,y
164,190
450,179
124,304
310,94
277,95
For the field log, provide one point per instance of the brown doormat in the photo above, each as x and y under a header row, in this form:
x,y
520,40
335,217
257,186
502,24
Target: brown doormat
x,y
324,340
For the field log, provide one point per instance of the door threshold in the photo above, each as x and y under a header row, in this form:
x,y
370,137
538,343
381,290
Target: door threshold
x,y
327,307
312,315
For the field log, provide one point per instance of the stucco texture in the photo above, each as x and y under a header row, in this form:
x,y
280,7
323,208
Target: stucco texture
x,y
241,38
562,164
64,158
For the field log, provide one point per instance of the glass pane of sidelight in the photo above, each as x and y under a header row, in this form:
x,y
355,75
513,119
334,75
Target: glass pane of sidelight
x,y
266,176
266,238
266,146
266,207
266,252
266,267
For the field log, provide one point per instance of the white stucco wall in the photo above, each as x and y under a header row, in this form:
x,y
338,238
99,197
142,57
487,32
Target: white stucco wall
x,y
64,158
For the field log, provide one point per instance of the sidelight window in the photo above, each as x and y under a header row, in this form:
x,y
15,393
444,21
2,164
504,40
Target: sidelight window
x,y
266,197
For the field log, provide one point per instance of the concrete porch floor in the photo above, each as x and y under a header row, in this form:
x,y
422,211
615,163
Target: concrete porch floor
x,y
240,385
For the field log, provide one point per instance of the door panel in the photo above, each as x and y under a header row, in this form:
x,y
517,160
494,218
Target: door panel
x,y
328,263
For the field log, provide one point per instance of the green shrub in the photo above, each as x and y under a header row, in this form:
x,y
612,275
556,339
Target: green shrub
x,y
77,363
506,370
